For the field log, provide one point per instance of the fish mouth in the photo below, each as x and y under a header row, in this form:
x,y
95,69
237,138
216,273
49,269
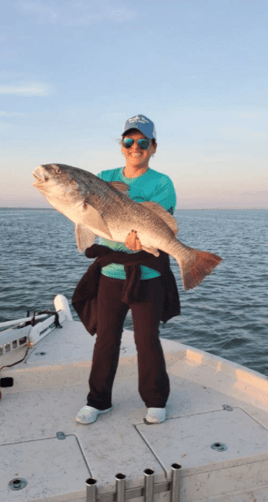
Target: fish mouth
x,y
40,176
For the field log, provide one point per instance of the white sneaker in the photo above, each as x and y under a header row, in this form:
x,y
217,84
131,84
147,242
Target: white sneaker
x,y
88,414
155,415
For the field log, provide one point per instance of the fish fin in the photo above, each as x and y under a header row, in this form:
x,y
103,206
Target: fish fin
x,y
162,213
84,237
151,250
94,221
120,186
195,265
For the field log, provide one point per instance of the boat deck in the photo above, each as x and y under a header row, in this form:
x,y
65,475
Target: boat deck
x,y
211,401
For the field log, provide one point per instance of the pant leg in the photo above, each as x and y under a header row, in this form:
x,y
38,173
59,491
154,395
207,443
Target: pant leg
x,y
110,319
153,379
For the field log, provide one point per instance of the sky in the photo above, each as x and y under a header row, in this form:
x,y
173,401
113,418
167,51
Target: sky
x,y
73,71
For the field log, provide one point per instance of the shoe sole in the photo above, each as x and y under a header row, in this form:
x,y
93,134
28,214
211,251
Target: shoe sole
x,y
153,423
100,413
104,411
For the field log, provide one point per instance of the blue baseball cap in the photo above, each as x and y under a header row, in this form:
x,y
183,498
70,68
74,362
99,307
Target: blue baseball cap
x,y
143,124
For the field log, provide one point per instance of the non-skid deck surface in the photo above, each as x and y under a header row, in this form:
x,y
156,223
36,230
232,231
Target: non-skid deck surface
x,y
52,386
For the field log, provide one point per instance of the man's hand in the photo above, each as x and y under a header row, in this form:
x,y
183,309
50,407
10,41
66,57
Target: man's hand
x,y
132,241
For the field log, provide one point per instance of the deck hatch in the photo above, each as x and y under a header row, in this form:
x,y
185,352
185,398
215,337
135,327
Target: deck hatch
x,y
207,472
53,469
188,440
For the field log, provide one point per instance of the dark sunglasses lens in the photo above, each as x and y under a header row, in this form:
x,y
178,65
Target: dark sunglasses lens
x,y
128,142
144,143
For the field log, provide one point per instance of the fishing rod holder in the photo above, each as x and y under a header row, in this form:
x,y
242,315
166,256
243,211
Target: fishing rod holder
x,y
147,491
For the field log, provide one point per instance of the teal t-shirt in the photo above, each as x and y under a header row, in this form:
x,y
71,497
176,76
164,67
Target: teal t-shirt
x,y
151,185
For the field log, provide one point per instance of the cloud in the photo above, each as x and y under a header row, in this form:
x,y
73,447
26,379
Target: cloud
x,y
49,13
120,15
212,160
247,115
221,198
255,193
3,127
10,114
79,13
27,89
243,133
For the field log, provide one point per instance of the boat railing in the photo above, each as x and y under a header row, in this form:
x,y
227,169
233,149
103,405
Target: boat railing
x,y
29,330
19,322
147,491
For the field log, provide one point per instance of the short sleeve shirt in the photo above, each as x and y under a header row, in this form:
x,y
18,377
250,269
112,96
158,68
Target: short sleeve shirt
x,y
150,186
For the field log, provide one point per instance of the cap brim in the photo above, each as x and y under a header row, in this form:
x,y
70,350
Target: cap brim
x,y
137,129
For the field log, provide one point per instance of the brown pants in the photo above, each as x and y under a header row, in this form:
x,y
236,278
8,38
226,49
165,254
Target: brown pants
x,y
146,312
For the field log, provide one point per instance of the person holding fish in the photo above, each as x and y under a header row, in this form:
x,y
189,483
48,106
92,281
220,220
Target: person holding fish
x,y
130,208
145,184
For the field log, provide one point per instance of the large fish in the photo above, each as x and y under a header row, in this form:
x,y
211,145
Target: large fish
x,y
104,209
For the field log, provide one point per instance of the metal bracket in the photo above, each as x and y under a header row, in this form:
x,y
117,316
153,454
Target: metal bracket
x,y
60,435
227,407
147,491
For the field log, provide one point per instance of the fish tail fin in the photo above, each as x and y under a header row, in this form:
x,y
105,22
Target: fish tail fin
x,y
195,265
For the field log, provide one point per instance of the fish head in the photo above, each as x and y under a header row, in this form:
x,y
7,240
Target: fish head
x,y
57,184
74,193
49,175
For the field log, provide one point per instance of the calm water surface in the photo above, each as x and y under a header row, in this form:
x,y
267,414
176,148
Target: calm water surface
x,y
226,315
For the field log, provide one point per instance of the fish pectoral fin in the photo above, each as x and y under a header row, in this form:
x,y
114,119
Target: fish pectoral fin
x,y
163,214
120,186
151,250
95,222
84,237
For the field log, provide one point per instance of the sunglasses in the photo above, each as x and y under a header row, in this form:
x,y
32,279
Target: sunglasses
x,y
142,143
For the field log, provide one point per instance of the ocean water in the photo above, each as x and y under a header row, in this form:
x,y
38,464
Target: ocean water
x,y
226,315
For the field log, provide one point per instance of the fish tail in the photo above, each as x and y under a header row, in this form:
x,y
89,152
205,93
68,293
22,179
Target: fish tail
x,y
195,265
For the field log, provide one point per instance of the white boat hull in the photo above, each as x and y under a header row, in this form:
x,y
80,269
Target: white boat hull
x,y
212,401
